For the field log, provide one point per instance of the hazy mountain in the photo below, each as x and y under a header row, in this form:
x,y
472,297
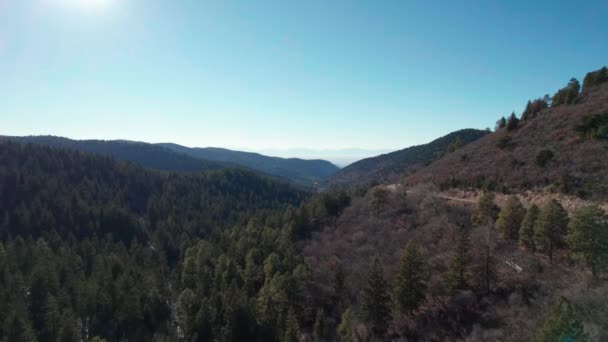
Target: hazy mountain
x,y
390,166
306,172
340,157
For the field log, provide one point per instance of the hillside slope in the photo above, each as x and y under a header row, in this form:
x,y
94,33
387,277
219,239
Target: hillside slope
x,y
84,187
513,160
146,155
301,171
390,166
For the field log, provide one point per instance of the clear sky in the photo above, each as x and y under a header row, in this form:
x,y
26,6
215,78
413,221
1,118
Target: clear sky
x,y
285,74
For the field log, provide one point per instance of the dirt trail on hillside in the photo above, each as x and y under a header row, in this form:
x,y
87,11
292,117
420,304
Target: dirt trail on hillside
x,y
528,197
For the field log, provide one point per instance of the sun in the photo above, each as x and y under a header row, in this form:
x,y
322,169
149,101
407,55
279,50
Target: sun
x,y
89,3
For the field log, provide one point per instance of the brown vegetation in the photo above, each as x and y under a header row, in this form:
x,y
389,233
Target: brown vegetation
x,y
499,302
577,165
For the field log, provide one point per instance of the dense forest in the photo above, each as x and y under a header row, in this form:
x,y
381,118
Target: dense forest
x,y
173,157
95,247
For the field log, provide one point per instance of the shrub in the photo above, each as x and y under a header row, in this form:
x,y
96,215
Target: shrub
x,y
594,127
513,122
543,157
501,123
568,94
534,107
504,142
595,78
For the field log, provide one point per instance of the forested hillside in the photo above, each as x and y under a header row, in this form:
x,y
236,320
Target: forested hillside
x,y
94,247
173,157
391,166
146,155
305,172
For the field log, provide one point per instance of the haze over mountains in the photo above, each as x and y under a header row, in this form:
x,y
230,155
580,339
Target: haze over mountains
x,y
173,157
391,166
340,157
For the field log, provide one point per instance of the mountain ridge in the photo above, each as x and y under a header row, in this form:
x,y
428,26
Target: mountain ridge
x,y
389,167
304,171
174,157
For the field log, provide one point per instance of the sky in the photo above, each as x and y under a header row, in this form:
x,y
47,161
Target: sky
x,y
285,75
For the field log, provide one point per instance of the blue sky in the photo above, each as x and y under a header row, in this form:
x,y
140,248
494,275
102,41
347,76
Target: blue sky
x,y
262,75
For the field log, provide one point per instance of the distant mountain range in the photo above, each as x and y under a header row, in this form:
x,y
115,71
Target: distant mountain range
x,y
298,170
340,156
173,157
391,166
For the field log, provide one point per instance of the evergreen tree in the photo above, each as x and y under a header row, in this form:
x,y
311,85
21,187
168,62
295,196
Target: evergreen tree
x,y
568,94
513,122
410,283
320,331
376,303
378,199
17,328
486,210
551,227
348,324
526,232
459,266
588,236
501,123
509,219
185,311
52,319
595,78
484,262
561,324
292,328
338,293
454,145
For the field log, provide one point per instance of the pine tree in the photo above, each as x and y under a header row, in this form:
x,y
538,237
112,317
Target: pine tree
x,y
551,227
379,199
320,330
484,262
410,283
501,123
486,210
338,293
18,328
513,122
561,324
526,231
376,306
52,318
185,311
348,323
292,328
459,273
510,218
588,236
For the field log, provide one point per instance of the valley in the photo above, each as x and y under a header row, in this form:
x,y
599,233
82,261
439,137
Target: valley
x,y
475,235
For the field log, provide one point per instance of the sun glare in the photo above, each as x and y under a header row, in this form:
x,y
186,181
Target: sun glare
x,y
88,3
